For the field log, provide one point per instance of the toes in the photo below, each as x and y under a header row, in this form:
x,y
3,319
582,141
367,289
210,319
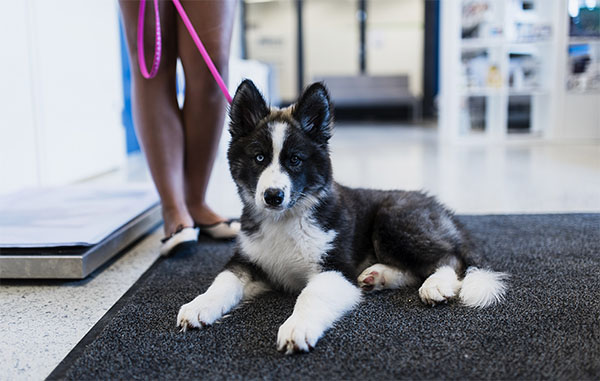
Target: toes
x,y
289,347
370,280
194,315
293,346
367,283
186,324
186,320
440,286
183,324
295,337
433,294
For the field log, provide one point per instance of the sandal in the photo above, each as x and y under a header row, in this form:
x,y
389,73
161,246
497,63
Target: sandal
x,y
182,235
221,230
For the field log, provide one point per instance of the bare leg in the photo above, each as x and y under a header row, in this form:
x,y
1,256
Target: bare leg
x,y
204,107
156,113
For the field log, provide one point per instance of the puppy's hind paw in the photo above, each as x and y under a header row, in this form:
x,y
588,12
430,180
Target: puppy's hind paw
x,y
371,281
439,287
372,278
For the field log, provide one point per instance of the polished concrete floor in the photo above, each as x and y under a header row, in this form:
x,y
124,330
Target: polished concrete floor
x,y
40,322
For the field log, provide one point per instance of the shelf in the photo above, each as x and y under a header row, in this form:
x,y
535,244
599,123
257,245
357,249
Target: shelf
x,y
583,92
530,43
484,92
528,92
480,43
524,47
584,40
487,44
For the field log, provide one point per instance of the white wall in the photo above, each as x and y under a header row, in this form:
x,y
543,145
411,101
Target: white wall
x,y
395,33
331,38
18,154
395,39
61,94
271,38
395,30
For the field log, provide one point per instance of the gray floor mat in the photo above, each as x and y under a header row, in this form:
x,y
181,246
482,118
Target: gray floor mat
x,y
548,326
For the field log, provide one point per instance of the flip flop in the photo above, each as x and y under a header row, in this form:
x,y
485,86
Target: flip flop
x,y
221,230
182,235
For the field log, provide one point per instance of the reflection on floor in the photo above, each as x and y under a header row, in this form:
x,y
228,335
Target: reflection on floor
x,y
40,322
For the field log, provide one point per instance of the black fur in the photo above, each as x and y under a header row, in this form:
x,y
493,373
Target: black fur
x,y
244,119
313,111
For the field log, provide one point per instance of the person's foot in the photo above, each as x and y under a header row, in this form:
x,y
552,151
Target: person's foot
x,y
213,225
180,232
174,218
203,215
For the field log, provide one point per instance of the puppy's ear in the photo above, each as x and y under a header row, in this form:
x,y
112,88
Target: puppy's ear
x,y
247,109
314,112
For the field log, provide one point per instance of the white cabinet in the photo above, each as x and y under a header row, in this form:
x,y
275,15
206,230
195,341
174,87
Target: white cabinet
x,y
503,73
60,92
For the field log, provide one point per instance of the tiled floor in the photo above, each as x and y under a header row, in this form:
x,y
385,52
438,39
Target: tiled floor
x,y
41,322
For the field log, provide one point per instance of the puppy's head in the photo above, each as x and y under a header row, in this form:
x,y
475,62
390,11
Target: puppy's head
x,y
279,158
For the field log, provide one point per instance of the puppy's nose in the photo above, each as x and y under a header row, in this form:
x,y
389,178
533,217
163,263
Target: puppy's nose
x,y
274,196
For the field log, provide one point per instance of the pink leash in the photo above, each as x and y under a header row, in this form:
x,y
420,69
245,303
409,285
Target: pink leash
x,y
158,45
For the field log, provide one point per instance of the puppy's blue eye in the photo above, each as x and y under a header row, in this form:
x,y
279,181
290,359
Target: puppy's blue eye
x,y
295,160
259,158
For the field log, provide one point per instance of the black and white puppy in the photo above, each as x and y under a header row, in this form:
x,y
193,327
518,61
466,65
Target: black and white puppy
x,y
304,233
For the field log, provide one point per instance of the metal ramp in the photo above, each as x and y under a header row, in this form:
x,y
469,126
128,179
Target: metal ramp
x,y
72,231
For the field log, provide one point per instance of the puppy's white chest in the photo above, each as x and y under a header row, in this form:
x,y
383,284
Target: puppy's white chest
x,y
288,251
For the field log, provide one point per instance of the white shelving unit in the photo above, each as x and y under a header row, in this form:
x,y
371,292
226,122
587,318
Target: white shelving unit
x,y
503,71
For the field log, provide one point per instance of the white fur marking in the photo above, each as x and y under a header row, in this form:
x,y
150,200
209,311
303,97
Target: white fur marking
x,y
225,292
290,250
326,298
482,288
442,285
273,176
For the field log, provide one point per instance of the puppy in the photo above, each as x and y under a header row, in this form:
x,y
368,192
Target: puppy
x,y
304,233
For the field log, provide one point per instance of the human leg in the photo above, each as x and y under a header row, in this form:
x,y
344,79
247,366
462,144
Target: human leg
x,y
204,106
156,113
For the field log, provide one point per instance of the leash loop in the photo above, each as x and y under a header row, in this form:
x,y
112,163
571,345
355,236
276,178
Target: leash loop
x,y
158,45
140,41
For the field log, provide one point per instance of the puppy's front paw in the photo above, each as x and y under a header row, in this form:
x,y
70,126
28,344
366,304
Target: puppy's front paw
x,y
200,312
297,335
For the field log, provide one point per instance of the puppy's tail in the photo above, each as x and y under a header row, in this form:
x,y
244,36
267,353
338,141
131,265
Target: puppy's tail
x,y
482,288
